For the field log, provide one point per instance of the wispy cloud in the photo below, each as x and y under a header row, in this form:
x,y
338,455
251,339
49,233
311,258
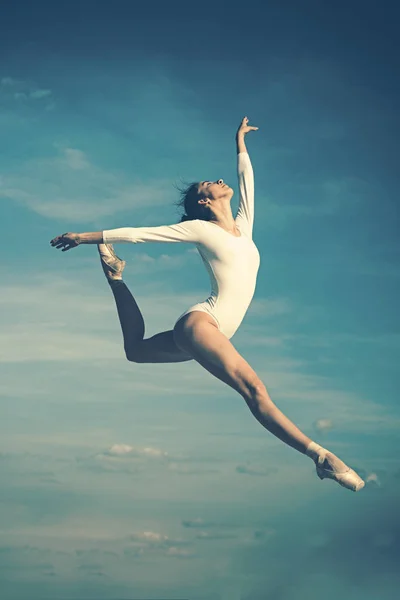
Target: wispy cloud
x,y
151,541
69,186
215,535
25,91
123,458
124,450
257,470
322,425
268,307
43,320
8,81
38,94
325,198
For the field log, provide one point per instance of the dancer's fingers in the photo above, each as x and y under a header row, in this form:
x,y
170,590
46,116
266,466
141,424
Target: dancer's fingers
x,y
69,245
56,240
59,238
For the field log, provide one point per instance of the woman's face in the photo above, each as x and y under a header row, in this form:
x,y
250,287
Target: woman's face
x,y
215,190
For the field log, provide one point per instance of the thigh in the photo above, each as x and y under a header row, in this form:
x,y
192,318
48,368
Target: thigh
x,y
160,348
198,335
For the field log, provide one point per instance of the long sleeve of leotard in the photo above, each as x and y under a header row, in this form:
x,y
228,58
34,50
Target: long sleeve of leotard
x,y
188,231
245,215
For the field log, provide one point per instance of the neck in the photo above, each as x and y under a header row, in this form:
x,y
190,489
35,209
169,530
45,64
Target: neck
x,y
224,219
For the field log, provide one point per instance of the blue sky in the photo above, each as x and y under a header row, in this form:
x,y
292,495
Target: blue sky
x,y
144,481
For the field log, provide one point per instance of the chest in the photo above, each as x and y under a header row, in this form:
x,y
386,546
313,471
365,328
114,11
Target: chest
x,y
235,252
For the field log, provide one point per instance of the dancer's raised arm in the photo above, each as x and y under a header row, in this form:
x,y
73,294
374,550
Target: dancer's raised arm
x,y
245,215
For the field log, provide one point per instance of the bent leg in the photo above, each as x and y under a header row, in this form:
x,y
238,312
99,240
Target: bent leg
x,y
160,348
130,317
198,335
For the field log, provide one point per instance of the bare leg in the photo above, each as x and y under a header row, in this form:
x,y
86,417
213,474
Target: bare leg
x,y
130,317
160,348
198,334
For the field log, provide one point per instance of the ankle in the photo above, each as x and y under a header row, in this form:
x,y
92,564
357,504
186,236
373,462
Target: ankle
x,y
314,450
115,281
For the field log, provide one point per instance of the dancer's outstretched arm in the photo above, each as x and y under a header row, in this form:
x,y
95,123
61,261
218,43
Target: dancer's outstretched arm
x,y
69,240
189,231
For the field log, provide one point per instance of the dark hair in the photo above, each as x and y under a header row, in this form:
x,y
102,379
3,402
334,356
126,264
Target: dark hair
x,y
189,202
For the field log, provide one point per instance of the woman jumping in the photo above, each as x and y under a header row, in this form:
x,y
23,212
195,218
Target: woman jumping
x,y
203,331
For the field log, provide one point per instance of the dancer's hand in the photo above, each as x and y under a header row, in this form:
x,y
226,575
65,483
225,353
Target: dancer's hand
x,y
66,241
244,127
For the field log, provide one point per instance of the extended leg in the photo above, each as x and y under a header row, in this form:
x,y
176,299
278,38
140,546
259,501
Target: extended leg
x,y
198,335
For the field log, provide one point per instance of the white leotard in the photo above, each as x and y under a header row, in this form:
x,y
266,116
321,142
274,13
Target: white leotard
x,y
232,262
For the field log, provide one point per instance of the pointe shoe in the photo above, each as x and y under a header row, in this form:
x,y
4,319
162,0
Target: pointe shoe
x,y
346,478
111,263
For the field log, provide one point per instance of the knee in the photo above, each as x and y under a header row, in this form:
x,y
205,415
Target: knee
x,y
255,393
133,355
130,356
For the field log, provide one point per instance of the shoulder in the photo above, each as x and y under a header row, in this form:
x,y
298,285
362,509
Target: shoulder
x,y
195,223
196,228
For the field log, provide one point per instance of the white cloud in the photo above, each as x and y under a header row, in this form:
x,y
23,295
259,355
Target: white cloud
x,y
45,320
150,537
323,425
39,94
18,89
373,478
119,449
75,159
6,81
349,411
269,307
123,458
196,523
52,342
151,541
124,450
215,535
320,198
68,186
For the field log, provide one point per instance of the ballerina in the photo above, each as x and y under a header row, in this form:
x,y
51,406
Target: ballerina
x,y
203,332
